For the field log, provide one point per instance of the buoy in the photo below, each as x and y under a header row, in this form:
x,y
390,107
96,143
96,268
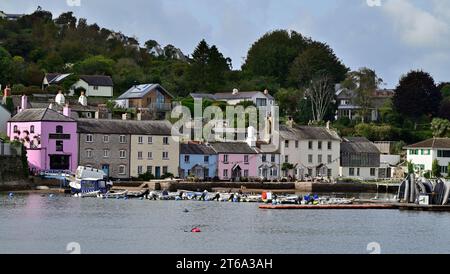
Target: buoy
x,y
196,230
51,195
141,198
185,210
11,194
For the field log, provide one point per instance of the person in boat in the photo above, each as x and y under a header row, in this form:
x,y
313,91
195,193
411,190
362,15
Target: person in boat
x,y
203,196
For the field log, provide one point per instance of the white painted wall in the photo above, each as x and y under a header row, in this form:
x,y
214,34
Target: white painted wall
x,y
364,173
427,160
102,91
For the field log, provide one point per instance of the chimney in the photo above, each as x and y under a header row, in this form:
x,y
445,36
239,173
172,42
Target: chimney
x,y
251,136
66,110
290,122
24,103
235,91
139,116
328,125
125,116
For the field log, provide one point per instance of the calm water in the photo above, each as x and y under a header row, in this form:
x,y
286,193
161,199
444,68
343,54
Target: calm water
x,y
35,224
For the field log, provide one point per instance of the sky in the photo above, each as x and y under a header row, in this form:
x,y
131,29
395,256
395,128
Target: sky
x,y
390,36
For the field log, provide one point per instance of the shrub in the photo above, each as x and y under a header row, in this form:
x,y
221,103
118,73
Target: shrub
x,y
146,176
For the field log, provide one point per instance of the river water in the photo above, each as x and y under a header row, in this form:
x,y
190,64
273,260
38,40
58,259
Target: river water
x,y
35,223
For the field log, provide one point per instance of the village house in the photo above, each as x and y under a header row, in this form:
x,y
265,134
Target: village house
x,y
50,137
9,16
5,115
423,154
348,109
360,159
54,79
268,162
125,148
260,99
235,161
151,97
308,151
94,85
198,160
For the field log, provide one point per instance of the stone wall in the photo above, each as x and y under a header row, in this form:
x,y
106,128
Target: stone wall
x,y
12,174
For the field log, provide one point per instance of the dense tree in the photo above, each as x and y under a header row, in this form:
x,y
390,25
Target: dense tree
x,y
317,59
289,102
440,127
95,65
273,54
417,95
6,64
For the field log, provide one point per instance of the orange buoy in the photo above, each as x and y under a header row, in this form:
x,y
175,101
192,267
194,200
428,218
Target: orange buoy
x,y
196,230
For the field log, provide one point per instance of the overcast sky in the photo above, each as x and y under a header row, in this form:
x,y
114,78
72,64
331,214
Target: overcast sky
x,y
392,38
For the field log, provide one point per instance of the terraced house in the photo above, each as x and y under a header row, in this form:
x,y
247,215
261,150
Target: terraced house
x,y
125,148
309,151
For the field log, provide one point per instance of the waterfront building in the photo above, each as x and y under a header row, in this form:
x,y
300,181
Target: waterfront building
x,y
151,97
268,161
5,115
423,154
308,151
360,159
126,148
50,137
198,160
235,160
94,85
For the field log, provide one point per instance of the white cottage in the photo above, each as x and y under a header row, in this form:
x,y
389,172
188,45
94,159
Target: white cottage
x,y
423,154
95,85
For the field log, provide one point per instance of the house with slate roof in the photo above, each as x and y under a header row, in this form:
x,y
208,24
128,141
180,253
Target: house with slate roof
x,y
423,154
198,160
360,159
94,85
50,137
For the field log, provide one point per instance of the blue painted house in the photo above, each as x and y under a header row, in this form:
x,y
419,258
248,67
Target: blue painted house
x,y
198,160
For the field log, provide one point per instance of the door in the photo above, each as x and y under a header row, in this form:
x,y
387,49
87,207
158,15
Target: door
x,y
158,172
105,169
59,162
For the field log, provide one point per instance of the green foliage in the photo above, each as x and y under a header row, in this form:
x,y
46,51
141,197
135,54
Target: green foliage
x,y
95,65
146,176
289,102
445,90
427,175
440,127
436,169
287,166
410,167
167,176
375,132
9,105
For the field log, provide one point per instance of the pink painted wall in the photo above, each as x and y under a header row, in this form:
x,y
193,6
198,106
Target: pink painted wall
x,y
234,159
39,157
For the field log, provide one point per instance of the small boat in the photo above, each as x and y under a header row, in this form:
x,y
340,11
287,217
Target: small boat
x,y
137,194
114,195
89,185
87,194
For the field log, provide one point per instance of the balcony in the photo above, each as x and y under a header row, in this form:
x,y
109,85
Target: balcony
x,y
160,106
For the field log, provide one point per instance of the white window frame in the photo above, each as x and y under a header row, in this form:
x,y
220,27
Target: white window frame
x,y
105,138
106,153
124,170
140,140
122,139
89,138
165,157
122,154
89,153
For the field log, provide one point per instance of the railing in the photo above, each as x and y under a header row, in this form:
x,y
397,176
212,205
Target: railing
x,y
160,106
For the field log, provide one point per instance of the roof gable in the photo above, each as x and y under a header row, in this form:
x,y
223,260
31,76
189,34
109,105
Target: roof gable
x,y
443,143
40,114
307,133
98,80
139,91
198,149
232,148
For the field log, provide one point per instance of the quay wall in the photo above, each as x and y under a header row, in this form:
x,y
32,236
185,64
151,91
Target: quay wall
x,y
12,175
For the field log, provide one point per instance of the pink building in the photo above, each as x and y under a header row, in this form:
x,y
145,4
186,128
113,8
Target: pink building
x,y
235,160
50,137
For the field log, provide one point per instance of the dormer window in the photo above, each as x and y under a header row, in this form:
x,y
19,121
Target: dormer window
x,y
59,129
31,129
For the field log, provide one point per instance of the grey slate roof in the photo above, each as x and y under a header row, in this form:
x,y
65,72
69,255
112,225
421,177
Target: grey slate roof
x,y
133,127
40,114
432,143
358,145
98,80
203,96
229,95
139,91
297,132
52,78
200,149
232,148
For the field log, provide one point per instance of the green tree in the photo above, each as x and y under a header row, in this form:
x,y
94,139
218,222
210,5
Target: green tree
x,y
317,59
445,90
95,65
417,95
289,102
440,127
436,169
6,66
273,54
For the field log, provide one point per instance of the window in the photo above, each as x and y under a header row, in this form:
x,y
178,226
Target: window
x,y
426,151
225,173
139,170
95,87
122,154
372,172
286,158
329,159
140,155
59,146
105,138
140,140
150,169
351,171
272,158
122,170
246,173
358,171
329,172
59,129
416,152
310,172
264,158
319,159
319,145
149,155
150,140
443,153
122,139
286,143
310,145
186,158
88,153
225,159
106,153
89,138
165,170
31,129
245,159
166,140
444,169
15,129
296,144
330,145
206,159
310,158
165,155
261,102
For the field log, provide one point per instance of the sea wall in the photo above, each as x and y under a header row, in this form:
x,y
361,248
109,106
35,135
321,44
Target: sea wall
x,y
12,175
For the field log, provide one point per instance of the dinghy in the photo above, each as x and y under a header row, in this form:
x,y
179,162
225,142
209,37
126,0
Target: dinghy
x,y
113,194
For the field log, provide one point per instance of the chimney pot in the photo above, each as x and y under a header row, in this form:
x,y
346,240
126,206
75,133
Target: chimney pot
x,y
66,110
23,103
